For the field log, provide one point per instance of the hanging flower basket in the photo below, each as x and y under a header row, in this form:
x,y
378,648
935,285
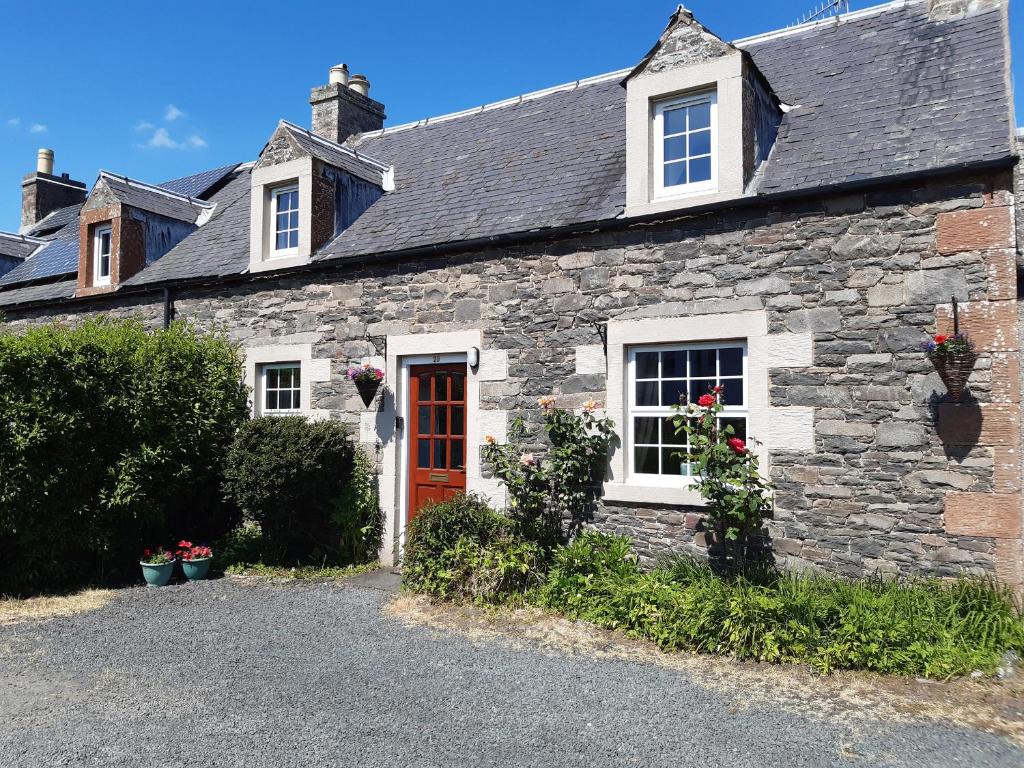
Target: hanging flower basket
x,y
367,380
954,358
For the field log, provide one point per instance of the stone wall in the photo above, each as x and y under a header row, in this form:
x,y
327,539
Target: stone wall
x,y
895,478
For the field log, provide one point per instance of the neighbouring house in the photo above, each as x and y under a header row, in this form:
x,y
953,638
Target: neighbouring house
x,y
788,216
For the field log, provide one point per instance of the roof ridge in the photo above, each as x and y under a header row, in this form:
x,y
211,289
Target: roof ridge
x,y
380,165
793,29
154,188
24,238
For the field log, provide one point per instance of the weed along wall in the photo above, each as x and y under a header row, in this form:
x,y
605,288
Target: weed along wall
x,y
875,471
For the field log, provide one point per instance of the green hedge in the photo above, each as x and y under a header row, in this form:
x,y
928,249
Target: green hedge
x,y
463,550
926,628
114,439
309,489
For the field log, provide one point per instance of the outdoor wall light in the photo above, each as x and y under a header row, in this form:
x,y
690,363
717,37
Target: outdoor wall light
x,y
473,357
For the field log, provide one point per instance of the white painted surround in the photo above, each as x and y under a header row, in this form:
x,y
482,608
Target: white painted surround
x,y
312,371
265,179
788,429
424,349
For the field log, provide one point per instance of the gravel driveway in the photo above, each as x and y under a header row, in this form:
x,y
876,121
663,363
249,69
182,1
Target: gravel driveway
x,y
225,673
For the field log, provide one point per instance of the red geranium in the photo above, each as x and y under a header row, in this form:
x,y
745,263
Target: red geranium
x,y
940,338
737,444
706,401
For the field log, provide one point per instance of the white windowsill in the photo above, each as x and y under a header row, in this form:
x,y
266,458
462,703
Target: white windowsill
x,y
653,494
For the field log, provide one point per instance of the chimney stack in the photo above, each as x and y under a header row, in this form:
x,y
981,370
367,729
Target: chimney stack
x,y
343,107
42,193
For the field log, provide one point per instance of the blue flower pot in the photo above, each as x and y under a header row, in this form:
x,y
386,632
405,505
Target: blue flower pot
x,y
157,575
196,570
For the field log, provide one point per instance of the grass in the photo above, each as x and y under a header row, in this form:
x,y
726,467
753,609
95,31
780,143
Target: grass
x,y
299,573
16,611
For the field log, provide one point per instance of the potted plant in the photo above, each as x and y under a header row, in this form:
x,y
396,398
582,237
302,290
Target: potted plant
x,y
954,358
367,380
195,560
157,566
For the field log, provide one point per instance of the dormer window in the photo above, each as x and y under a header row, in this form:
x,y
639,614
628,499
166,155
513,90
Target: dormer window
x,y
286,220
101,248
686,148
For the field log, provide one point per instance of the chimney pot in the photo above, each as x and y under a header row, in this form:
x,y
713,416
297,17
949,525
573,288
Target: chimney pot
x,y
359,84
44,161
339,75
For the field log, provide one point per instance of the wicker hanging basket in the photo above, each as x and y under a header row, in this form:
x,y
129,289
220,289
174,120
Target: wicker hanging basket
x,y
954,370
367,390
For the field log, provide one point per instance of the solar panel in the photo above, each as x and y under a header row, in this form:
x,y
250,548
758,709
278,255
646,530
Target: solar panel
x,y
57,220
59,257
198,183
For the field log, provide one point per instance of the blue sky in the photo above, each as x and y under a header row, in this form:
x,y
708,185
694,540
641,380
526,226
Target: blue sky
x,y
161,90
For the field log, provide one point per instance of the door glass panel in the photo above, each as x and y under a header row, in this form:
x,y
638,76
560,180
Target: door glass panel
x,y
423,420
458,418
458,387
423,454
440,460
441,386
457,458
440,419
424,387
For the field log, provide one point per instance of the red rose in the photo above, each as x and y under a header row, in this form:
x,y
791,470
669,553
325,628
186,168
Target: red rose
x,y
941,338
737,445
716,389
706,401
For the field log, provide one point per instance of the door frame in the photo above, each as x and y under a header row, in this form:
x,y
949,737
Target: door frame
x,y
405,364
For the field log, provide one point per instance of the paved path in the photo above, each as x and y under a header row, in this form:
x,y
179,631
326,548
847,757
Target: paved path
x,y
224,673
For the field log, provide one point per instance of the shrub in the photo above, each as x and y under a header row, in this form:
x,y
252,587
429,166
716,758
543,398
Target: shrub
x,y
292,477
461,549
359,517
113,437
927,628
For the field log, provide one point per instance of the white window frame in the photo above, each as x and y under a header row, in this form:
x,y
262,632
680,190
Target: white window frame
x,y
632,409
275,193
681,190
265,368
98,278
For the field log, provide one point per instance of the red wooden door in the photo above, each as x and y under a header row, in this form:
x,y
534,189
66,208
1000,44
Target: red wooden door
x,y
437,433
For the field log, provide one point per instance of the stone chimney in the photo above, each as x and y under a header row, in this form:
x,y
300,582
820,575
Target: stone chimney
x,y
343,107
42,193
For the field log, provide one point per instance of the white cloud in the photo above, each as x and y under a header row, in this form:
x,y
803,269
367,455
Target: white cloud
x,y
37,128
197,141
161,139
172,113
143,125
14,121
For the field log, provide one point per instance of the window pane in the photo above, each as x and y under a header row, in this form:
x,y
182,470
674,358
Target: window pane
x,y
675,173
271,400
700,169
423,454
671,464
645,460
458,418
700,116
273,376
441,386
282,222
702,362
645,430
293,239
295,400
730,361
647,365
668,433
675,121
458,387
739,427
647,393
732,391
296,376
700,387
673,364
672,392
104,266
293,219
440,460
284,400
675,148
457,460
440,419
700,143
423,420
282,241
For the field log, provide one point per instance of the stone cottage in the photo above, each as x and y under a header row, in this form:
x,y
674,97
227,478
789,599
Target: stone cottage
x,y
787,216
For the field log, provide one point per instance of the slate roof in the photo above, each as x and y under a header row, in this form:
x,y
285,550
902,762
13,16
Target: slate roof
x,y
198,184
154,199
32,293
879,93
54,222
16,246
338,155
